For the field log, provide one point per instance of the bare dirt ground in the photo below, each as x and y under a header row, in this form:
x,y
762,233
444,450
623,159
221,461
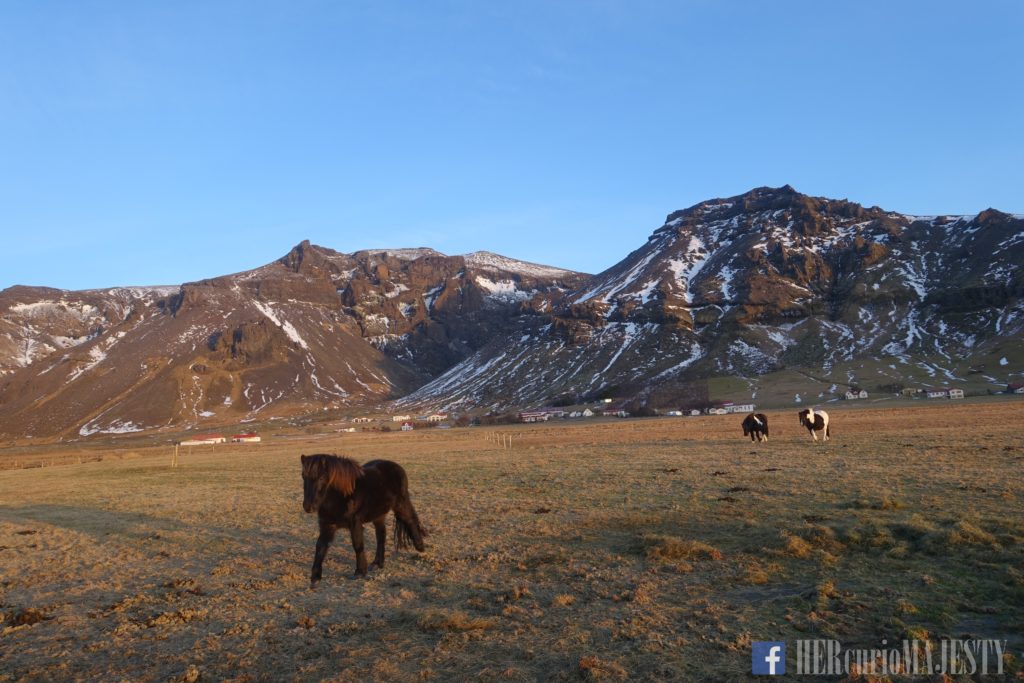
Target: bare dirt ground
x,y
623,550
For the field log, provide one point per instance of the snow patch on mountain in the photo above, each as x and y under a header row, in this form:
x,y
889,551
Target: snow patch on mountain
x,y
506,290
485,260
286,326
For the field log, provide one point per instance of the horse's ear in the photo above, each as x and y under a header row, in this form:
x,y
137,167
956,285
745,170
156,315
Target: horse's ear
x,y
303,458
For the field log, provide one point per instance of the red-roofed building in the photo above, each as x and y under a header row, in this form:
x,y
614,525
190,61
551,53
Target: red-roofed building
x,y
245,438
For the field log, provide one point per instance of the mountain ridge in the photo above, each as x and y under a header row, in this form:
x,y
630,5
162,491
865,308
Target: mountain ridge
x,y
738,286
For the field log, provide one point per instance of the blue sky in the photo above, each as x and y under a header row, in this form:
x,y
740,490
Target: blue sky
x,y
156,143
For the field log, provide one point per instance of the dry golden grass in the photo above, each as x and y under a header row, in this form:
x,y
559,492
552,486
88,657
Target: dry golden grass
x,y
621,550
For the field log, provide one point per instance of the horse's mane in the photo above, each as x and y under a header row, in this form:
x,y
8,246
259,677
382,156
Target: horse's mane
x,y
341,472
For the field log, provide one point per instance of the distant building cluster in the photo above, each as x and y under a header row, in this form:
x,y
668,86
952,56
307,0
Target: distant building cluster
x,y
611,408
944,392
728,407
214,439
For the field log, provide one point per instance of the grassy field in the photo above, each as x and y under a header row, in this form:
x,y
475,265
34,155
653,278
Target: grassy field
x,y
623,550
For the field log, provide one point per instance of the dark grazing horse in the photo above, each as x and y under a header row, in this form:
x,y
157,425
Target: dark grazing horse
x,y
345,494
755,426
815,421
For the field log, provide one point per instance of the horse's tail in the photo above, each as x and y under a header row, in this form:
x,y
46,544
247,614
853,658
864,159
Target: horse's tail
x,y
408,527
407,522
828,430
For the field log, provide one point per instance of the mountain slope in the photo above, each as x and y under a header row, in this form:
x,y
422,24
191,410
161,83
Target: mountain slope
x,y
756,283
314,330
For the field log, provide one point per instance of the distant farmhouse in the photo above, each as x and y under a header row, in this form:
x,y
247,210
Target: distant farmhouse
x,y
945,393
855,393
727,407
1015,388
205,440
540,415
616,409
245,438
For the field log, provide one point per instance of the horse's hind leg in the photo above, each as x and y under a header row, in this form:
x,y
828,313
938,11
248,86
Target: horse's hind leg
x,y
322,543
357,545
382,533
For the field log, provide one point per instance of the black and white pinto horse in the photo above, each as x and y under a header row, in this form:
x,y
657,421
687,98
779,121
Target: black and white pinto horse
x,y
755,426
815,421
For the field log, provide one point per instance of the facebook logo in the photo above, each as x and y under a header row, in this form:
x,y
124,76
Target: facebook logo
x,y
769,658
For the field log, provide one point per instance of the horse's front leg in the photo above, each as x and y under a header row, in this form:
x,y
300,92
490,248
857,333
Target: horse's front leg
x,y
382,533
357,545
322,543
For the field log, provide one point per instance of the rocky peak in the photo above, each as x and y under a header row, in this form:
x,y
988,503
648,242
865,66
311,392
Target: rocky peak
x,y
315,261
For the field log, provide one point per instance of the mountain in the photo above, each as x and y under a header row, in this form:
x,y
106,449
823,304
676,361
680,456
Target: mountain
x,y
316,329
759,285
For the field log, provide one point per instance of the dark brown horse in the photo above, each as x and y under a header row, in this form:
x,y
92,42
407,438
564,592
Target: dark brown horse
x,y
345,494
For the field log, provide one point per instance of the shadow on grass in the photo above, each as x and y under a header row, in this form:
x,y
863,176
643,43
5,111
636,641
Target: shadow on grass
x,y
96,522
104,525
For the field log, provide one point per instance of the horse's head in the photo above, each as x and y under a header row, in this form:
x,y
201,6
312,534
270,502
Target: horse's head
x,y
806,416
321,473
